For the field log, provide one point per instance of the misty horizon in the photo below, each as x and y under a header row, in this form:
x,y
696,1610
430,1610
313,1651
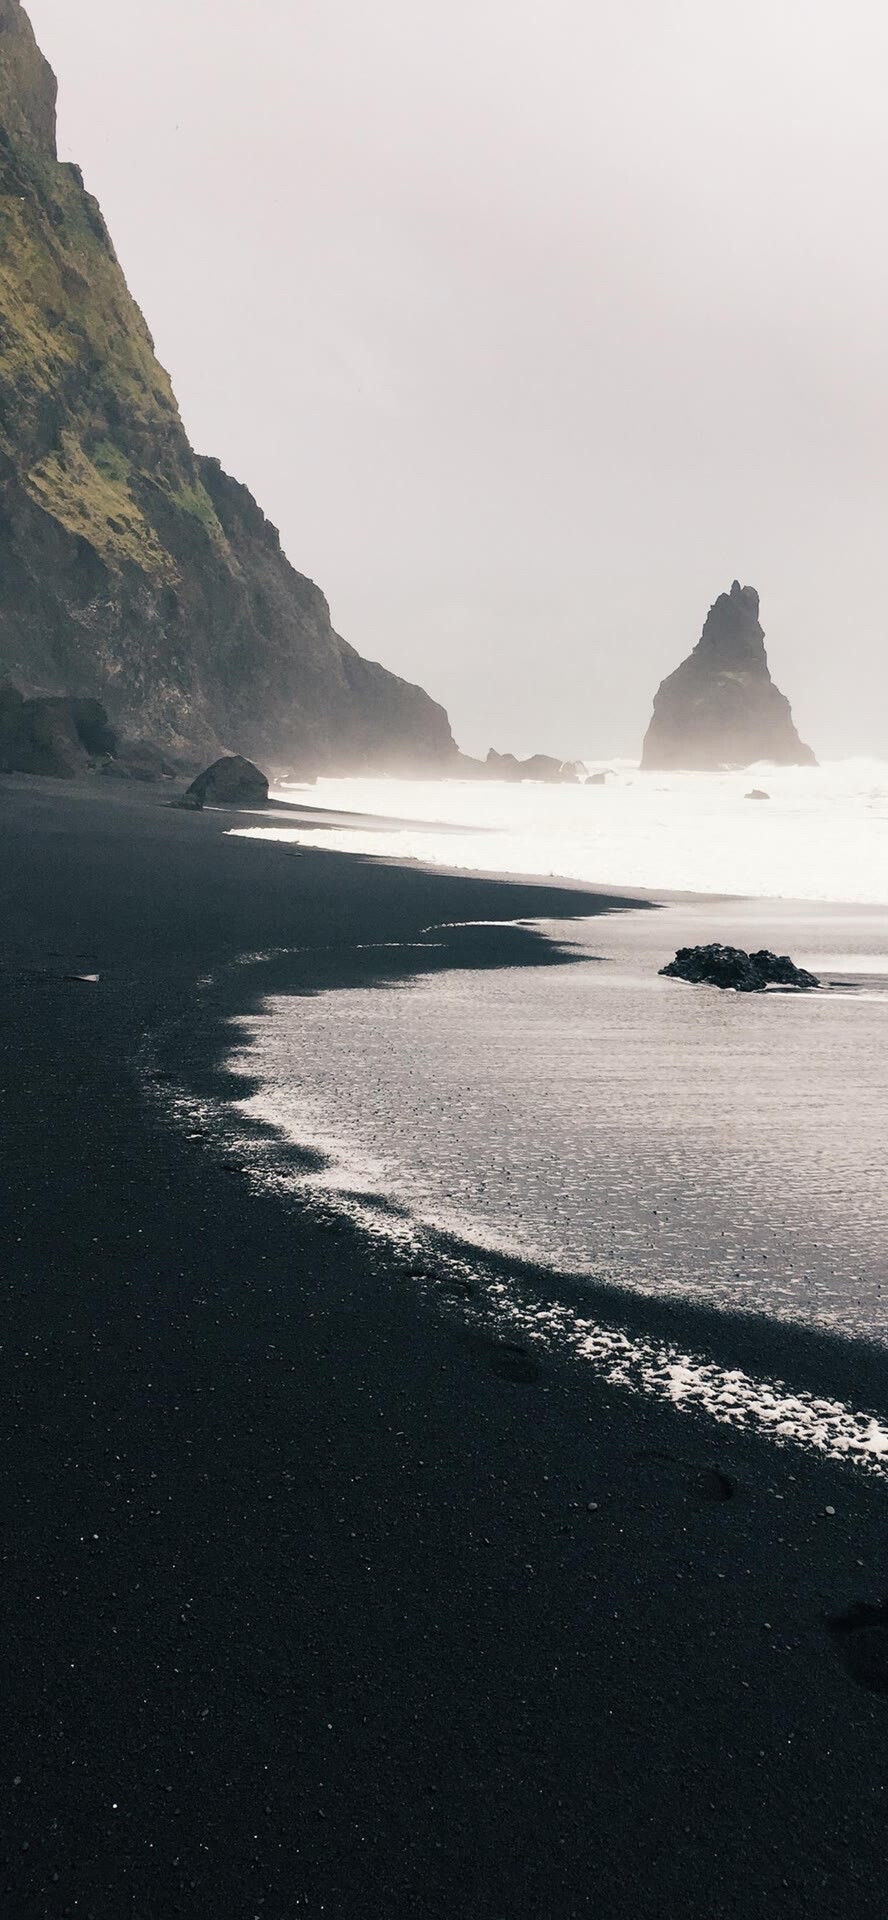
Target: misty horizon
x,y
444,1372
528,346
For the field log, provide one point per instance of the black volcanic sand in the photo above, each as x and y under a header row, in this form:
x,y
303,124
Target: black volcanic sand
x,y
315,1599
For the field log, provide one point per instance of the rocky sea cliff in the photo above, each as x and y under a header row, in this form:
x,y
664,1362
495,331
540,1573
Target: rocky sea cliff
x,y
135,571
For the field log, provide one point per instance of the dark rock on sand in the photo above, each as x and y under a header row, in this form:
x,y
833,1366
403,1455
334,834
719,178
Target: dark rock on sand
x,y
718,966
135,571
188,803
230,782
757,793
61,738
720,708
139,760
64,737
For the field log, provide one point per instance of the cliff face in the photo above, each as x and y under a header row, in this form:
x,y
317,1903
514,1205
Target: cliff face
x,y
130,569
720,708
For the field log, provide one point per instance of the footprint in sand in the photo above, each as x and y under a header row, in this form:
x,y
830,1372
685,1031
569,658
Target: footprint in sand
x,y
447,1283
511,1360
696,1482
862,1636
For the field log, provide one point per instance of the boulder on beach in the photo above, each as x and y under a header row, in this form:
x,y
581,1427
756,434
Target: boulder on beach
x,y
65,736
231,782
757,793
540,766
718,966
55,736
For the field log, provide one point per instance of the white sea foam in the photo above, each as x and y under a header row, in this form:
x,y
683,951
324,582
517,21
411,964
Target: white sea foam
x,y
633,1364
822,835
597,1119
730,1396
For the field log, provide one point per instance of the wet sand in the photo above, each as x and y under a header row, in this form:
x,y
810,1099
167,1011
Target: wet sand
x,y
317,1598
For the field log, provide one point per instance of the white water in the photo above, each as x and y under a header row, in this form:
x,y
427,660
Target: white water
x,y
822,835
601,1120
597,1118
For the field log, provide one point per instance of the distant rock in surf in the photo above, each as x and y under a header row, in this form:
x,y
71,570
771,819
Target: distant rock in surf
x,y
540,766
757,793
230,782
720,708
718,966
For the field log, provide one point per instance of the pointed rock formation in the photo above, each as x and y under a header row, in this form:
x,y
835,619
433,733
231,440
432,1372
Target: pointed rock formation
x,y
720,708
133,571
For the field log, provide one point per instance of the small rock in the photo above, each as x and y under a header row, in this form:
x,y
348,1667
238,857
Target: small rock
x,y
719,966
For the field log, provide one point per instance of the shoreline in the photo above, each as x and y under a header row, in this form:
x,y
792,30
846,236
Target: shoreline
x,y
691,833
314,1597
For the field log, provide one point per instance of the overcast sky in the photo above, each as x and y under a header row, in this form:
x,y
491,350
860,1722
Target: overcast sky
x,y
531,323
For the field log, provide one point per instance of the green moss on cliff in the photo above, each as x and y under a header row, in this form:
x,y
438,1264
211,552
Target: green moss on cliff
x,y
99,508
130,570
27,82
195,501
87,414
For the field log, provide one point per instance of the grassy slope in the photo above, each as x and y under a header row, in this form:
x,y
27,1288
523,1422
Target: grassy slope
x,y
134,571
87,415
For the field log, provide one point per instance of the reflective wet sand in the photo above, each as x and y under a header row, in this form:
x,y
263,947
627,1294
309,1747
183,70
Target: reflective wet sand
x,y
603,1120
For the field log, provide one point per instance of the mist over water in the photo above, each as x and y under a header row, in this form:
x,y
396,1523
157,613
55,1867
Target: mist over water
x,y
822,834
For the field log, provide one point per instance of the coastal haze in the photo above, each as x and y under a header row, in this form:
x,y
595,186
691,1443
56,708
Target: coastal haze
x,y
444,1360
821,835
531,327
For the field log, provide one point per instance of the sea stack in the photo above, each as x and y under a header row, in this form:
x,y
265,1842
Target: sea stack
x,y
720,708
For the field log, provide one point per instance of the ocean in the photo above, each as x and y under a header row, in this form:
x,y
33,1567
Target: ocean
x,y
594,1118
821,835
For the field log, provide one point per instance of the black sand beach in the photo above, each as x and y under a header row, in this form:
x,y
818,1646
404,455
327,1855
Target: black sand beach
x,y
315,1600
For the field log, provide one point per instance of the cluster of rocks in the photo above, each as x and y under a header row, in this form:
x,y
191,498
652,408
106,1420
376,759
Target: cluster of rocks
x,y
540,766
507,766
718,966
64,737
